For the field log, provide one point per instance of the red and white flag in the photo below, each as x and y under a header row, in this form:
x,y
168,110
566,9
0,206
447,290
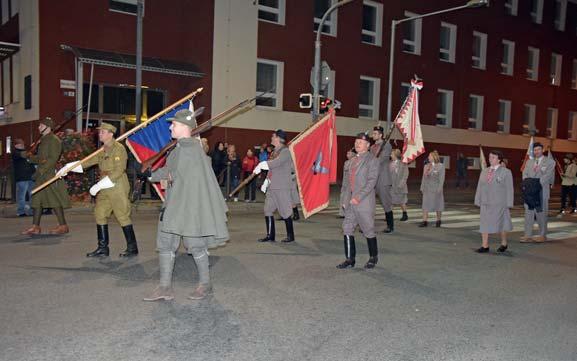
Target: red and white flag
x,y
529,154
482,159
314,154
409,124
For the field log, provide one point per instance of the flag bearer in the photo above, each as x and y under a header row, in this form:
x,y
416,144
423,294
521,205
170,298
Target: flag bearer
x,y
382,151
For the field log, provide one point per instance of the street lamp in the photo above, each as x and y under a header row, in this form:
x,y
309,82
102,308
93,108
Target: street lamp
x,y
470,4
317,66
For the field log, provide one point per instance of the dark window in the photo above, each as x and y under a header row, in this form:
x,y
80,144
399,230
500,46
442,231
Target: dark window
x,y
94,97
119,100
126,6
28,92
155,102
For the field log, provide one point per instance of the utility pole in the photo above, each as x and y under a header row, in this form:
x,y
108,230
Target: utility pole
x,y
138,102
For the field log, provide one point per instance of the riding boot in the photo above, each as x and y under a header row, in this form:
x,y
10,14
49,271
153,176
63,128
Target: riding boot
x,y
350,253
103,239
373,252
405,217
131,246
296,215
270,231
390,222
290,233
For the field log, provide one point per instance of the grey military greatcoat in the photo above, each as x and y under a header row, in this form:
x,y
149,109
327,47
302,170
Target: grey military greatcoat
x,y
544,170
363,175
399,174
383,187
344,185
495,196
432,185
278,196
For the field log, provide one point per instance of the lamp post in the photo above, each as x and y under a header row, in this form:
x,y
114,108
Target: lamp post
x,y
317,66
468,5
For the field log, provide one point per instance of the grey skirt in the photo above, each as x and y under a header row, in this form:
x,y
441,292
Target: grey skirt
x,y
399,198
495,219
433,202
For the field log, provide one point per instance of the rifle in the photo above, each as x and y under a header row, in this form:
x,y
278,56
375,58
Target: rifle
x,y
122,137
36,143
386,139
148,163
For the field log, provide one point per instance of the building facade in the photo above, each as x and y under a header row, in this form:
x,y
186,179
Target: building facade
x,y
492,76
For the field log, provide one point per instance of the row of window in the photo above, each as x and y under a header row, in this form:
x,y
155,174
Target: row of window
x,y
269,91
536,12
8,8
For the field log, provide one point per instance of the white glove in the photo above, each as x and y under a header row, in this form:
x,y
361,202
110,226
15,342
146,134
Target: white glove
x,y
260,167
104,183
63,172
265,185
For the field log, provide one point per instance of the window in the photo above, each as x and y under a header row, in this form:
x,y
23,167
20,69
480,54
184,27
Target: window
x,y
372,31
479,50
560,13
117,100
529,119
537,11
369,97
511,7
330,25
448,42
271,11
552,123
16,77
574,75
555,70
405,88
123,6
473,163
269,79
412,35
446,160
154,101
572,129
504,122
445,108
5,11
94,97
6,98
533,64
476,112
508,57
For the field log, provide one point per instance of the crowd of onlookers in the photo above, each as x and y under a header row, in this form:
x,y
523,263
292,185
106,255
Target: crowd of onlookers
x,y
231,167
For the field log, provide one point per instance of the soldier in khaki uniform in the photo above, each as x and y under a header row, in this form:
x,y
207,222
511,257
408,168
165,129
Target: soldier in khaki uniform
x,y
55,195
111,192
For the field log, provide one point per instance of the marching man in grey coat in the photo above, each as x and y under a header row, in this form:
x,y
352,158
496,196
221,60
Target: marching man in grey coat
x,y
399,174
382,151
194,210
542,168
277,187
495,196
432,185
359,202
351,153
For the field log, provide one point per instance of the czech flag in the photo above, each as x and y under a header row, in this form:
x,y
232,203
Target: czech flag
x,y
314,153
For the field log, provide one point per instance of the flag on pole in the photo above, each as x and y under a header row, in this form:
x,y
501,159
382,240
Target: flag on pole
x,y
148,141
314,153
529,154
482,159
409,124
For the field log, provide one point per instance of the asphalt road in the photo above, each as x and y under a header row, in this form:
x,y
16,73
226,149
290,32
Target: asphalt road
x,y
430,297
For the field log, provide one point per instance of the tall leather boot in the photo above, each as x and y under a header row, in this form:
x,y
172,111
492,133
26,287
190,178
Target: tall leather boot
x,y
103,239
405,217
290,233
350,253
296,215
373,253
390,222
131,246
270,231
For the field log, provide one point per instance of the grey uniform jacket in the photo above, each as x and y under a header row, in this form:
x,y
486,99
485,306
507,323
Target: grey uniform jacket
x,y
434,182
280,169
570,175
544,169
399,175
384,160
497,194
363,175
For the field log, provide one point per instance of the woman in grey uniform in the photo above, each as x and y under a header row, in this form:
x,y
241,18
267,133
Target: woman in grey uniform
x,y
432,188
399,173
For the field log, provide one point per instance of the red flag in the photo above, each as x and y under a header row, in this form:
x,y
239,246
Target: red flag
x,y
409,124
314,153
529,154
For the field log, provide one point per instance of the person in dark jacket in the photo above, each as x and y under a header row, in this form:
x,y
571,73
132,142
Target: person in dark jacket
x,y
462,165
235,164
219,159
23,171
249,162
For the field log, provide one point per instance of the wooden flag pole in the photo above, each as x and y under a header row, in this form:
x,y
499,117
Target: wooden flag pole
x,y
242,184
122,137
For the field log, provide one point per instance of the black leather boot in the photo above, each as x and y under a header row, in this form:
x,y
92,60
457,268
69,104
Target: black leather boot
x,y
131,246
350,253
405,217
373,253
390,222
296,215
290,233
270,231
102,249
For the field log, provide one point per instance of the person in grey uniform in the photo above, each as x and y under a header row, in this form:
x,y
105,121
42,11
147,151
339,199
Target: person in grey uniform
x,y
432,185
494,197
277,187
351,153
382,151
194,210
296,199
542,168
399,174
359,203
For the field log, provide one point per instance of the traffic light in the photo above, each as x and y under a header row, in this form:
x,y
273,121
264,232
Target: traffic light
x,y
306,101
324,104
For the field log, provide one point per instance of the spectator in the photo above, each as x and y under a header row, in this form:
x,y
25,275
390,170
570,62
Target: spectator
x,y
432,188
234,165
23,171
263,156
249,162
218,157
205,145
568,182
462,164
